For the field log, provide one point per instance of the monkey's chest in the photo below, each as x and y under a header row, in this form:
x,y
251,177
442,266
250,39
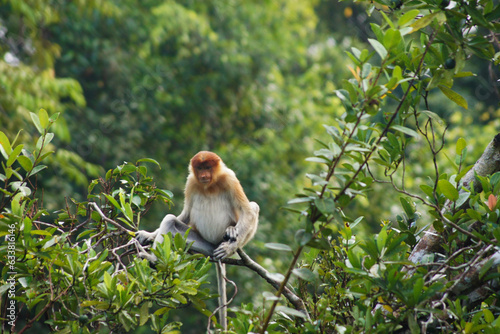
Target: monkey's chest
x,y
211,215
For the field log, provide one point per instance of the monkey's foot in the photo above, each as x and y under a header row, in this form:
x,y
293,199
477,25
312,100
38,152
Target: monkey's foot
x,y
225,249
145,237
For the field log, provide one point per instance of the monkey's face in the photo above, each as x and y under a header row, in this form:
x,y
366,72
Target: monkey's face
x,y
204,174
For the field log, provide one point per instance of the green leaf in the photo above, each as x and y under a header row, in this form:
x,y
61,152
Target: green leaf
x,y
379,48
485,268
290,311
407,207
433,116
413,325
382,238
405,130
318,160
13,156
44,118
43,156
166,193
488,316
25,162
474,214
392,38
153,161
418,289
37,169
407,17
302,237
54,118
319,243
113,201
454,96
36,121
461,144
41,232
325,205
128,212
462,198
448,190
423,22
300,200
278,247
495,179
305,274
144,313
44,140
464,74
5,145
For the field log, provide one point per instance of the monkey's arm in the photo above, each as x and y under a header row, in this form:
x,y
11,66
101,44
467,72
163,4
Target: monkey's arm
x,y
239,235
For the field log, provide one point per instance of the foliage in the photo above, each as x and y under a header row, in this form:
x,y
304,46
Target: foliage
x,y
28,80
373,285
76,272
254,81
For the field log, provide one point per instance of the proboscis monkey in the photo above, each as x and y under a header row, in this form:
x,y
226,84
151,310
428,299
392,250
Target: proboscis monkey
x,y
217,209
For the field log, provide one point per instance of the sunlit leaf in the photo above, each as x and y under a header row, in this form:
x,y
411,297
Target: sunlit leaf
x,y
405,130
14,155
44,118
461,144
423,22
5,145
278,247
290,311
153,161
408,16
448,190
454,96
379,48
25,162
36,121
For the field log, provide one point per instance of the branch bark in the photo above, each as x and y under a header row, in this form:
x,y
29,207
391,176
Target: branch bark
x,y
472,281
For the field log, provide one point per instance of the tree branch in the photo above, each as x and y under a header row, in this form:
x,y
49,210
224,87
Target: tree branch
x,y
295,300
487,164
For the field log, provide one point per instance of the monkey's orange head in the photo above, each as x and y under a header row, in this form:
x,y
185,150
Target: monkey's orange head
x,y
205,165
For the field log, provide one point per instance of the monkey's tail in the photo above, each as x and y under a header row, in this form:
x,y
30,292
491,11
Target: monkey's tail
x,y
221,283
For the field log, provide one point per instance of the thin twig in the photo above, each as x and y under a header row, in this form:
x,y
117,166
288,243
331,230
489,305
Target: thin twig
x,y
111,221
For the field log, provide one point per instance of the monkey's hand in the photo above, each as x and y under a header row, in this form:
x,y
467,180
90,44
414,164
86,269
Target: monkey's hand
x,y
225,249
145,237
231,234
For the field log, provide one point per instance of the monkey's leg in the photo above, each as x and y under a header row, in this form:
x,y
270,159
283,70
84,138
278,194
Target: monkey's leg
x,y
145,237
221,283
173,225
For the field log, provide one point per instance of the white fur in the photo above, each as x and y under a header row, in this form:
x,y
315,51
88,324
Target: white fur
x,y
211,215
